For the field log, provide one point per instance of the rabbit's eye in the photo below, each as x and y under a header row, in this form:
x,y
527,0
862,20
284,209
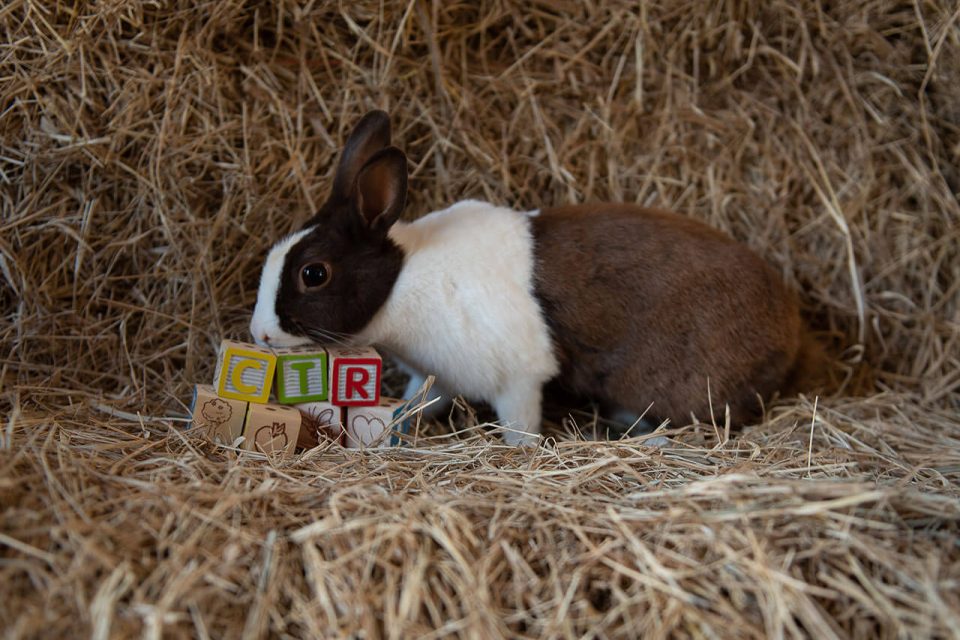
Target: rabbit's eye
x,y
314,275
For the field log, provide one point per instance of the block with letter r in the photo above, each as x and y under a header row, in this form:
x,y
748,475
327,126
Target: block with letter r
x,y
301,375
354,376
244,372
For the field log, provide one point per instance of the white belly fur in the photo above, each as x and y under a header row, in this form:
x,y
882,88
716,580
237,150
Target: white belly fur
x,y
463,307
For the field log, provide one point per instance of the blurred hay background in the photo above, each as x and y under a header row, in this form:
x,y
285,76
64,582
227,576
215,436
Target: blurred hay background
x,y
151,152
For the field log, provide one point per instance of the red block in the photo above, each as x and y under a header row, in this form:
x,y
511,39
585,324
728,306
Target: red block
x,y
354,376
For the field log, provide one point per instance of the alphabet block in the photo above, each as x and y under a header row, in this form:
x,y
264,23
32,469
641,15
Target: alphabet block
x,y
271,428
354,376
320,421
367,426
301,375
220,418
244,372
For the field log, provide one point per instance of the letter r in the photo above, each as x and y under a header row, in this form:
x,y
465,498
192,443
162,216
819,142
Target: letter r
x,y
357,378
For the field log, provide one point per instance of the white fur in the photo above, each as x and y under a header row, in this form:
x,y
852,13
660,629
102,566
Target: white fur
x,y
265,325
436,400
463,309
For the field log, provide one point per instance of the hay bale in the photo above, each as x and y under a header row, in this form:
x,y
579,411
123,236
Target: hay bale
x,y
150,153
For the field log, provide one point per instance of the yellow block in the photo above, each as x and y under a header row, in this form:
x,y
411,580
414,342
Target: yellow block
x,y
244,372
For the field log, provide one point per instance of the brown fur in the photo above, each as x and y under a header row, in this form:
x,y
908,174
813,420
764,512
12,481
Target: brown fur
x,y
646,306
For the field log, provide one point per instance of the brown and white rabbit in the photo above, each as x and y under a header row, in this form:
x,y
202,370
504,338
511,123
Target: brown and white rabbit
x,y
627,305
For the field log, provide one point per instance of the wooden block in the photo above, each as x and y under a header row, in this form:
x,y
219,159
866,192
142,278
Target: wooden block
x,y
320,421
220,418
244,372
301,375
271,428
354,376
367,426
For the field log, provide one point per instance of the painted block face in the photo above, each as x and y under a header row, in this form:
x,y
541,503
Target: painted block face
x,y
354,376
367,426
244,372
271,428
321,421
220,418
301,375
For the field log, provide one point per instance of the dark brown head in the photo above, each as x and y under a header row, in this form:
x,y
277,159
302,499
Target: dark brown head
x,y
329,279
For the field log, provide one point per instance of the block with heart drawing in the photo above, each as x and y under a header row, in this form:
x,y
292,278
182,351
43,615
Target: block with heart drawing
x,y
271,428
367,427
321,421
354,376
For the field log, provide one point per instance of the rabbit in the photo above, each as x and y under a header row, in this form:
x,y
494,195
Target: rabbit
x,y
637,308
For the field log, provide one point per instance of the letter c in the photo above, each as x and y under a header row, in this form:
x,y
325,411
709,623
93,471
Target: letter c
x,y
238,370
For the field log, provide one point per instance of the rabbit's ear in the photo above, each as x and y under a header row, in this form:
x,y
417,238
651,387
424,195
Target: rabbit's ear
x,y
381,189
369,136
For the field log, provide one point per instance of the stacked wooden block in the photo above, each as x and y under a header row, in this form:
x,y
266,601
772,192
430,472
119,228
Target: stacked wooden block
x,y
320,394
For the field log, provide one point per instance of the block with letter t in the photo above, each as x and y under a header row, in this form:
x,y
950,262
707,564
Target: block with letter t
x,y
244,372
354,376
301,375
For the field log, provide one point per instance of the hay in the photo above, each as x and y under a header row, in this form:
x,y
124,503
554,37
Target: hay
x,y
150,153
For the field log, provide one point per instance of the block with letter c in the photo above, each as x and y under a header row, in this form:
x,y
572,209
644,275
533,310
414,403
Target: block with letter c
x,y
244,372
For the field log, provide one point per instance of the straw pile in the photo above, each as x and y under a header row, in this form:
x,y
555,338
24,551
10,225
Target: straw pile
x,y
150,153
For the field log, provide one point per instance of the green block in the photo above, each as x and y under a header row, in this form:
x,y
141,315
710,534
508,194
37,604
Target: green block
x,y
301,376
